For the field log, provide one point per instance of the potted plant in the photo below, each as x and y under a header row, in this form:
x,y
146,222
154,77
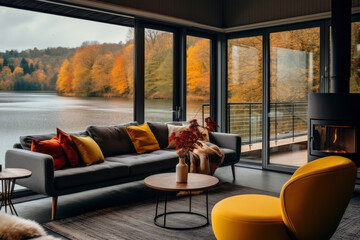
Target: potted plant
x,y
187,141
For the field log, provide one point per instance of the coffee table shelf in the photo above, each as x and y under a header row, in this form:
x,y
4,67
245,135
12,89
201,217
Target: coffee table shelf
x,y
166,182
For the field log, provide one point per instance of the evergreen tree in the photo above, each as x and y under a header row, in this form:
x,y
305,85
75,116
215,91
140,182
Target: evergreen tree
x,y
32,68
25,66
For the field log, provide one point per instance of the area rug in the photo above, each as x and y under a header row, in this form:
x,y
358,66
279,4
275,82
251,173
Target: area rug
x,y
135,221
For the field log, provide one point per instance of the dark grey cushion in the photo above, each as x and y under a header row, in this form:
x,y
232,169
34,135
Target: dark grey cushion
x,y
79,176
26,141
112,140
161,132
17,145
148,162
230,156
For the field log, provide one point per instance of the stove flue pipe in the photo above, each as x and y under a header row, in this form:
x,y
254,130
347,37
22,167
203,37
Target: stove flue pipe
x,y
340,45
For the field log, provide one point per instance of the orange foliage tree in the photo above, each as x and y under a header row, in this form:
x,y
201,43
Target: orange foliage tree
x,y
101,74
65,78
119,81
83,62
198,70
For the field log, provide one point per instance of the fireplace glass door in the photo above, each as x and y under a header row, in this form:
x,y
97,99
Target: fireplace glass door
x,y
334,138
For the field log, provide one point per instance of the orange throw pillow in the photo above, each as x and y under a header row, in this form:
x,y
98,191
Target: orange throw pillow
x,y
53,148
69,147
142,138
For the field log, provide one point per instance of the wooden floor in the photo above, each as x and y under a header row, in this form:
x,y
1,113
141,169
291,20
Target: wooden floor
x,y
75,204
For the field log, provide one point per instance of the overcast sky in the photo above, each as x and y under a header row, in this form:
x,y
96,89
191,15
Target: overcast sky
x,y
22,30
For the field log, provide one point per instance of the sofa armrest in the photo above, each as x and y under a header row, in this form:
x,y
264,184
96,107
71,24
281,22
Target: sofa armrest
x,y
41,165
227,140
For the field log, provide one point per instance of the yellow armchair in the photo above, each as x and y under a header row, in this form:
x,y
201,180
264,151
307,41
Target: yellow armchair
x,y
310,206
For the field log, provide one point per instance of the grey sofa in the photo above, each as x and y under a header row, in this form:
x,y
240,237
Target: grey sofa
x,y
122,164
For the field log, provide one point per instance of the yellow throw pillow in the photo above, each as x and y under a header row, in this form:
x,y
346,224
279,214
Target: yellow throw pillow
x,y
177,130
142,138
88,149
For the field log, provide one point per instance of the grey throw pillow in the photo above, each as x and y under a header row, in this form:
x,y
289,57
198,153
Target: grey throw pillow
x,y
112,140
160,131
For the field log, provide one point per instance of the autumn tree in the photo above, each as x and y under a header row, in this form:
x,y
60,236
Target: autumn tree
x,y
65,78
101,74
83,62
198,70
119,81
6,79
245,70
158,64
294,64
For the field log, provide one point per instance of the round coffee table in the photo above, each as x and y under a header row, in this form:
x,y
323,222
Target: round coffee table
x,y
8,178
167,182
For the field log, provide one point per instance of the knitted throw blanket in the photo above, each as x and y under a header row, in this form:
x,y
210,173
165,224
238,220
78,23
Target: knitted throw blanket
x,y
205,159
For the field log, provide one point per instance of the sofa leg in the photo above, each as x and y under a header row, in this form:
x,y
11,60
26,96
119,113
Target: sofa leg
x,y
233,171
53,210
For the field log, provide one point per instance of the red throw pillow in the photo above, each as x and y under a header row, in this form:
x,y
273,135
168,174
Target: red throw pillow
x,y
53,148
69,147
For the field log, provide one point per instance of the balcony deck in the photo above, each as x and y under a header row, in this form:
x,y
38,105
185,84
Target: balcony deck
x,y
295,157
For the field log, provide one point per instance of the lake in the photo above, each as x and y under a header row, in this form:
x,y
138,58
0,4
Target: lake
x,y
28,113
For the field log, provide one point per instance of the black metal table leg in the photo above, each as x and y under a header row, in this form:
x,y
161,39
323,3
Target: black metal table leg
x,y
157,203
165,213
165,209
189,201
207,206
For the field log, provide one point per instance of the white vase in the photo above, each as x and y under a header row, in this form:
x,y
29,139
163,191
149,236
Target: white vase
x,y
182,171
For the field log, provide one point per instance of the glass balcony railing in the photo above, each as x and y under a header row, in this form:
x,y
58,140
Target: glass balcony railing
x,y
287,120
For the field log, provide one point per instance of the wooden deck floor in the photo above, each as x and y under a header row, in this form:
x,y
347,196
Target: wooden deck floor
x,y
292,158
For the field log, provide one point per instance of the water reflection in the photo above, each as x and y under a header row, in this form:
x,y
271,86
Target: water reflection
x,y
24,113
37,113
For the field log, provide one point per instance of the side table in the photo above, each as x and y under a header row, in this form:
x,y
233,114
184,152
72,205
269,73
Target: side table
x,y
167,182
8,178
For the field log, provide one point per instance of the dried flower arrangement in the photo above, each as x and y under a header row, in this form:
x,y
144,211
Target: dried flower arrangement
x,y
188,139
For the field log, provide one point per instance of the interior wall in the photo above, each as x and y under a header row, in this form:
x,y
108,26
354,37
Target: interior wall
x,y
208,12
244,12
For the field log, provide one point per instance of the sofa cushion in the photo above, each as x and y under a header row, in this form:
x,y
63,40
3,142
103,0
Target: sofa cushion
x,y
230,156
161,132
69,147
88,149
142,138
74,177
26,141
53,148
147,162
177,130
112,140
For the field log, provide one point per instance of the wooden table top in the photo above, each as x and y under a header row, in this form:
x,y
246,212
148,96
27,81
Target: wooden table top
x,y
167,182
14,173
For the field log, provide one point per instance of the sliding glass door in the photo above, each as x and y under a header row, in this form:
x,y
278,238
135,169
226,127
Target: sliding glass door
x,y
294,72
245,93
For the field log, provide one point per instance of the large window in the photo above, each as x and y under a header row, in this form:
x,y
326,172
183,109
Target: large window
x,y
197,78
245,93
294,72
62,72
158,75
